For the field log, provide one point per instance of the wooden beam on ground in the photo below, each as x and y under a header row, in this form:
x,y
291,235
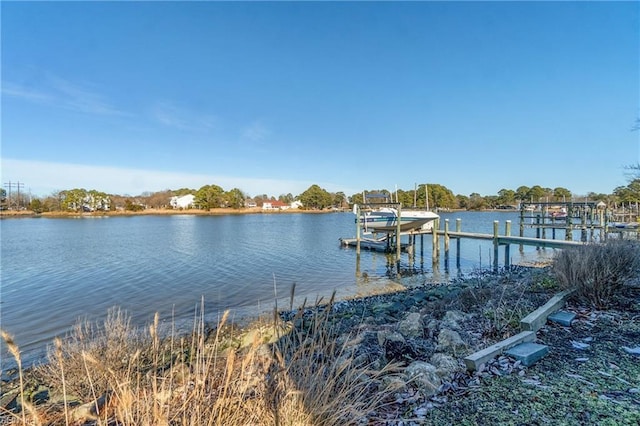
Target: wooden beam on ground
x,y
474,360
536,319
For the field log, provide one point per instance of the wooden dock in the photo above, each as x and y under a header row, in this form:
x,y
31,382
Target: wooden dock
x,y
387,243
504,239
588,216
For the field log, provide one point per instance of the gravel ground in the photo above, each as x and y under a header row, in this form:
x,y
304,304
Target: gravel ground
x,y
590,376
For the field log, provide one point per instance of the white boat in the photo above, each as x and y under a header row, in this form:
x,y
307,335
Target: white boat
x,y
384,219
559,214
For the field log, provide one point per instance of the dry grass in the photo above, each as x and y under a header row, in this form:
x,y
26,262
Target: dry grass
x,y
317,373
598,272
113,374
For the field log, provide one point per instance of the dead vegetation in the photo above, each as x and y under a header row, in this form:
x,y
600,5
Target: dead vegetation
x,y
598,272
113,374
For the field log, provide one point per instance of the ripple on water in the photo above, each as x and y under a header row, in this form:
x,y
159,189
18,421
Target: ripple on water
x,y
55,271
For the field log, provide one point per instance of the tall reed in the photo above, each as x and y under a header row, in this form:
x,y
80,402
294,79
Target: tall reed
x,y
274,372
25,406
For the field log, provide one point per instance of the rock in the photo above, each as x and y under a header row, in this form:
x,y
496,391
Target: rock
x,y
367,351
265,334
421,411
632,351
453,320
418,298
393,383
424,375
388,335
432,326
579,345
9,400
445,364
40,395
411,326
90,410
392,308
450,341
399,350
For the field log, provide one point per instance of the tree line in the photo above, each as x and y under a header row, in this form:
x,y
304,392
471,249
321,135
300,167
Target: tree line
x,y
433,196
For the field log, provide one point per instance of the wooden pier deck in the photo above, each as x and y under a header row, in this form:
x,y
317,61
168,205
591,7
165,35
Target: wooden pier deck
x,y
507,239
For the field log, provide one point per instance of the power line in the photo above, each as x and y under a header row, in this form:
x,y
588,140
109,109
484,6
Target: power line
x,y
11,185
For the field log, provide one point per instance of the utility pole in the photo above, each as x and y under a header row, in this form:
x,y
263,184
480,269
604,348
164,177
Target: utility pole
x,y
17,186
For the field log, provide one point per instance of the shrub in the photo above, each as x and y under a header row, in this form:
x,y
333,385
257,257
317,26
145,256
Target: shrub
x,y
598,272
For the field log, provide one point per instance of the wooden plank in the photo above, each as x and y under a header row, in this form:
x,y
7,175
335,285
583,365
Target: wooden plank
x,y
536,319
471,235
502,240
539,242
474,360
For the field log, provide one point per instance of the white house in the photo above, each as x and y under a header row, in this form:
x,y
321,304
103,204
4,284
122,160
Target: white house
x,y
279,205
274,205
184,202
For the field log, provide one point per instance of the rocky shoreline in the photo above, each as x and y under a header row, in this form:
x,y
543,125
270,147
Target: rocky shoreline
x,y
427,331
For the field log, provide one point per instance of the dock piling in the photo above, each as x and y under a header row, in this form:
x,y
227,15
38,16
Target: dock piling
x,y
569,230
398,242
496,245
507,255
458,229
357,229
446,244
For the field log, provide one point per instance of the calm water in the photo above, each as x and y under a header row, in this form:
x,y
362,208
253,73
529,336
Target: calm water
x,y
56,271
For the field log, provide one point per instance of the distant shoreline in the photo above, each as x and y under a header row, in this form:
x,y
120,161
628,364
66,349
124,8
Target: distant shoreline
x,y
196,212
158,212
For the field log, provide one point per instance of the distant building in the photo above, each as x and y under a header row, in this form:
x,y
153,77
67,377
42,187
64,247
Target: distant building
x,y
184,202
91,203
279,205
250,204
275,205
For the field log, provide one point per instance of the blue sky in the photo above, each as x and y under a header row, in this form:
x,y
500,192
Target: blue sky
x,y
273,97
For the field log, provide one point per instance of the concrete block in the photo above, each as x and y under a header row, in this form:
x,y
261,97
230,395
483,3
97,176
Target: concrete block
x,y
536,319
562,318
474,360
528,353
